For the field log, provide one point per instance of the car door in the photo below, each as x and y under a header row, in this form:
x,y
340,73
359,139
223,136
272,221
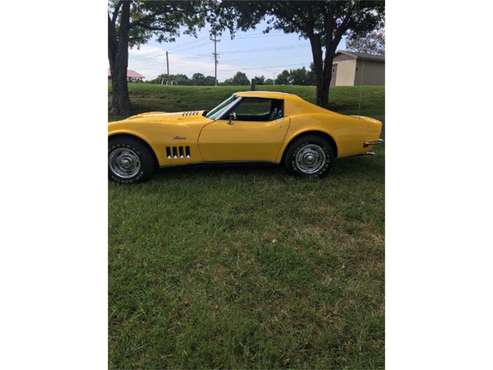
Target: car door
x,y
255,132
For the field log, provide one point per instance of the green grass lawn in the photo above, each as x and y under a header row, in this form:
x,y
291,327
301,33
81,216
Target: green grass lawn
x,y
366,100
246,266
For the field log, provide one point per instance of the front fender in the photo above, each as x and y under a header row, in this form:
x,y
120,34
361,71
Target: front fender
x,y
159,136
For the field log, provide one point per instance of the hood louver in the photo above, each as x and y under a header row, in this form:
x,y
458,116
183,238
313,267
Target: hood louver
x,y
187,114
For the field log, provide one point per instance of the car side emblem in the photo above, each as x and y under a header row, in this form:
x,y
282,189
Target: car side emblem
x,y
179,138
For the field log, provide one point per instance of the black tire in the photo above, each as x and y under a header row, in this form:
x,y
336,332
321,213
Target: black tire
x,y
137,151
309,142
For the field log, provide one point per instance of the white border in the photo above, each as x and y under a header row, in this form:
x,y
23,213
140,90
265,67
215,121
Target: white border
x,y
439,186
53,239
53,261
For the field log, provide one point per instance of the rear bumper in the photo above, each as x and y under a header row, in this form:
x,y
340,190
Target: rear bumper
x,y
372,142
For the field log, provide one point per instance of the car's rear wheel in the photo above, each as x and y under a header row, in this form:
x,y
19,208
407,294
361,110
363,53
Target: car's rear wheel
x,y
129,160
309,156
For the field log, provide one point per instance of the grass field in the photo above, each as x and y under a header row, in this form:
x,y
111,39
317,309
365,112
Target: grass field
x,y
245,266
366,100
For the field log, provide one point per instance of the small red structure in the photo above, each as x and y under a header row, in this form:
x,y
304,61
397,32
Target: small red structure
x,y
132,76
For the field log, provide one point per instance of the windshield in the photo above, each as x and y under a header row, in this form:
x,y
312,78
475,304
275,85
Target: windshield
x,y
219,110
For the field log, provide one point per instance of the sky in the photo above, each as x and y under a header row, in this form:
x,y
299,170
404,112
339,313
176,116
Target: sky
x,y
251,52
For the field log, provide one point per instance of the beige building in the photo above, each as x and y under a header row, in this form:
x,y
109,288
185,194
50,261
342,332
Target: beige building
x,y
352,69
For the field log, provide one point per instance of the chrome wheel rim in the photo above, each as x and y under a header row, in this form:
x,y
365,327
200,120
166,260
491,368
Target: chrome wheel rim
x,y
124,163
310,159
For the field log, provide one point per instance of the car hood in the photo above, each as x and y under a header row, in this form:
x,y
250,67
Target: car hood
x,y
177,118
164,115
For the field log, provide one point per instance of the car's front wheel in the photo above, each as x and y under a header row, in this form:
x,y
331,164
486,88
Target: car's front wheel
x,y
129,160
309,156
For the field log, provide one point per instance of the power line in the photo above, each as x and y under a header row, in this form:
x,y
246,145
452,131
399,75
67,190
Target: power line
x,y
236,51
202,43
257,37
215,54
186,44
266,67
190,45
258,50
154,55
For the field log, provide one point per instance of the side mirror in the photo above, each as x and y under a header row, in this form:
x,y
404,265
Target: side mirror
x,y
232,117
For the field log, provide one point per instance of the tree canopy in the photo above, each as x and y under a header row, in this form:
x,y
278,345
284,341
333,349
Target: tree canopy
x,y
372,43
198,79
283,78
323,23
299,76
239,78
134,22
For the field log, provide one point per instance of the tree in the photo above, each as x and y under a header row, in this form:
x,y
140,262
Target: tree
x,y
269,81
132,23
209,81
283,78
323,23
181,79
198,79
259,80
240,79
298,76
178,79
372,43
201,80
159,79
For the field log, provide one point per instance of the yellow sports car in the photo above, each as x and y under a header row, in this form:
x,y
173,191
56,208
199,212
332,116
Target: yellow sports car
x,y
253,126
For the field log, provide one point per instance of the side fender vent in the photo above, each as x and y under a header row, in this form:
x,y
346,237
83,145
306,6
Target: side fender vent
x,y
178,152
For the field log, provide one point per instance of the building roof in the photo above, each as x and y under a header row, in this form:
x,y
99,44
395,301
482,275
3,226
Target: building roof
x,y
130,73
363,56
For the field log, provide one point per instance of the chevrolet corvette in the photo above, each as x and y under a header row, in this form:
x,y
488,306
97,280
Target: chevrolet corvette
x,y
253,126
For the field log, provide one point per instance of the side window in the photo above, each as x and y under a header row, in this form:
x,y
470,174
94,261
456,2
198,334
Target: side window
x,y
257,109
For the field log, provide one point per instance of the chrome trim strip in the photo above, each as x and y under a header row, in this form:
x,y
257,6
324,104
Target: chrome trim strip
x,y
227,108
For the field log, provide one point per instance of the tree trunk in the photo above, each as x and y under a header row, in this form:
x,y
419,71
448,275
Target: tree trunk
x,y
323,95
118,58
322,73
120,102
327,77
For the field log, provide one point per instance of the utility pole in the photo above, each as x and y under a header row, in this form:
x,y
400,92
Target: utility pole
x,y
163,81
167,63
215,54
